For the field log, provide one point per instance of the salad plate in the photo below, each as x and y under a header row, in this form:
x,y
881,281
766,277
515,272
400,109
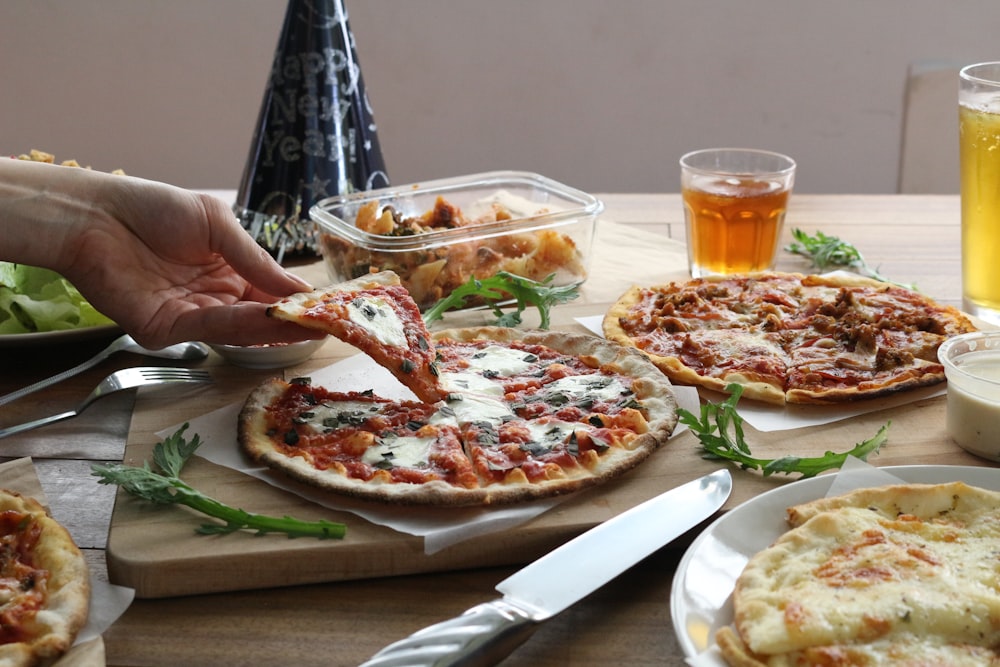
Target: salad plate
x,y
700,601
62,336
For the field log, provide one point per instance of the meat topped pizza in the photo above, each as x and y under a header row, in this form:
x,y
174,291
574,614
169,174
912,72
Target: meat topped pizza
x,y
375,314
527,414
44,584
788,337
896,575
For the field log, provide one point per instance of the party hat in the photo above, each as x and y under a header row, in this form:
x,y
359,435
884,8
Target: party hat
x,y
315,135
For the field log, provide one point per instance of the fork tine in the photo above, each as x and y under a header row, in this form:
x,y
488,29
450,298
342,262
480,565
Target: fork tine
x,y
169,373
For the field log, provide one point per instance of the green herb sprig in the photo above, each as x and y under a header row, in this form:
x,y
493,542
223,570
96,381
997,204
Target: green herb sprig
x,y
720,431
827,252
503,287
166,487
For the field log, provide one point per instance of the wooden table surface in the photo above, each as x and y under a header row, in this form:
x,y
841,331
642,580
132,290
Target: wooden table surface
x,y
911,238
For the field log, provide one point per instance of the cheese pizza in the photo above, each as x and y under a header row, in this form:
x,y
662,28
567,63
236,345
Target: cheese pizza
x,y
788,337
896,575
526,414
376,314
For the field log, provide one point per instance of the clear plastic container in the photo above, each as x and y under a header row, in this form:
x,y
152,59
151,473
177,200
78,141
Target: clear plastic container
x,y
544,228
972,367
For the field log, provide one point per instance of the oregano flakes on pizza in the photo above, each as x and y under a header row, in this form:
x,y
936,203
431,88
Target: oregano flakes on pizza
x,y
787,337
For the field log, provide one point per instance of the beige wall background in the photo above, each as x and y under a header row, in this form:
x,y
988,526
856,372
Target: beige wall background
x,y
604,95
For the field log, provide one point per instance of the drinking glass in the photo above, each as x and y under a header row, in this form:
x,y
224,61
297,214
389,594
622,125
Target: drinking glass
x,y
734,208
979,158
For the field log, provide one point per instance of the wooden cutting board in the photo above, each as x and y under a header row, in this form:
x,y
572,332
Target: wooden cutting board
x,y
155,550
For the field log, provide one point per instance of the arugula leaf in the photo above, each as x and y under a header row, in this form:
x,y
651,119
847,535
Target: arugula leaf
x,y
720,431
829,251
165,487
503,287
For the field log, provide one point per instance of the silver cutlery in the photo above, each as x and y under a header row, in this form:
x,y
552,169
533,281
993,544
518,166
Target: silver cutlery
x,y
487,633
127,378
183,351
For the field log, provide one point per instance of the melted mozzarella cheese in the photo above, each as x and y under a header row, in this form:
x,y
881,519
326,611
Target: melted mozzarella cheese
x,y
331,413
549,434
471,408
598,387
401,451
379,319
504,361
465,381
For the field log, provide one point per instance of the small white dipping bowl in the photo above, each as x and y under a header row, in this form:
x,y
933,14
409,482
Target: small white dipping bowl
x,y
276,355
972,366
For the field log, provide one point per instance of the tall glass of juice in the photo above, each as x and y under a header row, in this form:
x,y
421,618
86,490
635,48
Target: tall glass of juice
x,y
979,157
734,208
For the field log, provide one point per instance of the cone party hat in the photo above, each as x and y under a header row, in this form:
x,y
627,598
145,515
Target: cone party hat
x,y
315,134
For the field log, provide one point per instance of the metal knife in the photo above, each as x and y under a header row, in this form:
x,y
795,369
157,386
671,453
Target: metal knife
x,y
487,633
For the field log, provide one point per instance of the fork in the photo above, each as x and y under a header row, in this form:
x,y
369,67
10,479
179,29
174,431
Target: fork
x,y
127,378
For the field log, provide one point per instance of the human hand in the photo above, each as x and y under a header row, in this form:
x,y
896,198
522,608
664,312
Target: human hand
x,y
165,264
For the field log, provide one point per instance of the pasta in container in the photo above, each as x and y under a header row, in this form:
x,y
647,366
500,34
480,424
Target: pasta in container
x,y
439,234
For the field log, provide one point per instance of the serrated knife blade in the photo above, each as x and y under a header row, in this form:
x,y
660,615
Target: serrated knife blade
x,y
488,632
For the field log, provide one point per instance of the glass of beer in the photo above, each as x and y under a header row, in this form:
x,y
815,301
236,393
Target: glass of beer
x,y
979,156
734,208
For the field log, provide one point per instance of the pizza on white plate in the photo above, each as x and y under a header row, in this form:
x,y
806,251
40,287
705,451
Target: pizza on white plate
x,y
898,575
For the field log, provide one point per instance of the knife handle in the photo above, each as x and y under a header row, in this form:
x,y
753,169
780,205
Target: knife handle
x,y
483,635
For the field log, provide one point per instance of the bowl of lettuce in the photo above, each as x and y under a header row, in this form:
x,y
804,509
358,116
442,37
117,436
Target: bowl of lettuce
x,y
37,300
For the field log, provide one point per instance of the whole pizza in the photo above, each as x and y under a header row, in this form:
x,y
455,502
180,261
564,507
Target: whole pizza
x,y
527,414
500,416
787,337
44,584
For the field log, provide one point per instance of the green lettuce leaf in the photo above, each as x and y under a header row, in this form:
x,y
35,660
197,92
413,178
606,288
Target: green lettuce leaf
x,y
33,299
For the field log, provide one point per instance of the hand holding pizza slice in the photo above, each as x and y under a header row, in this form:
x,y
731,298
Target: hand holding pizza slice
x,y
375,314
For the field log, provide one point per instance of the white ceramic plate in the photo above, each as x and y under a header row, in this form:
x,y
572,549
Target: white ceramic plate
x,y
59,337
700,597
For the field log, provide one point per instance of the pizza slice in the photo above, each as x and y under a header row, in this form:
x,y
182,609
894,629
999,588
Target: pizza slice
x,y
543,413
355,443
44,584
375,314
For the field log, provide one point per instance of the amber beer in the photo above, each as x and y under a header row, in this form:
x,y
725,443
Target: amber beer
x,y
979,155
734,207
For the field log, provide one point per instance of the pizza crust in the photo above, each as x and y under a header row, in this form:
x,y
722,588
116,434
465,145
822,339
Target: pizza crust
x,y
67,602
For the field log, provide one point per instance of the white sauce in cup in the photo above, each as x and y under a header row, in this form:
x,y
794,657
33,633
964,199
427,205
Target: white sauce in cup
x,y
972,366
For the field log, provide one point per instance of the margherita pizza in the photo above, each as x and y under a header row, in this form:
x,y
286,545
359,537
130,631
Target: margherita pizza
x,y
897,575
378,316
787,337
527,414
44,584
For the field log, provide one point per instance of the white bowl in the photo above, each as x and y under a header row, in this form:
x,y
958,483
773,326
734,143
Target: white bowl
x,y
277,355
